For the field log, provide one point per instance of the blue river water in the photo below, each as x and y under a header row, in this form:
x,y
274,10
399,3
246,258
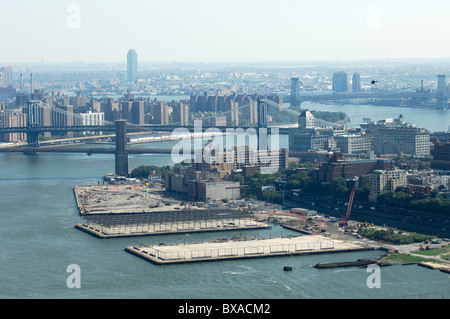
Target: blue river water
x,y
39,242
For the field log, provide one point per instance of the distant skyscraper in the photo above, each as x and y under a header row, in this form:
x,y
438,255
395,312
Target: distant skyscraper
x,y
441,87
356,82
6,76
132,66
340,82
294,92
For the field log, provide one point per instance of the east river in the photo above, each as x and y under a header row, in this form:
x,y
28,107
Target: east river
x,y
39,241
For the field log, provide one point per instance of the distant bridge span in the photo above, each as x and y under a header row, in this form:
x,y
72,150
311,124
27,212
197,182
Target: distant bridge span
x,y
363,95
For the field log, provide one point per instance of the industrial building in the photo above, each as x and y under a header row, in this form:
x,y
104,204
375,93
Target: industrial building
x,y
191,184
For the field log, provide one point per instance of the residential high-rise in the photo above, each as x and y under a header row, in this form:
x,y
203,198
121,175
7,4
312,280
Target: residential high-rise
x,y
340,82
161,113
137,113
356,83
132,66
14,118
231,112
111,109
126,110
180,113
382,181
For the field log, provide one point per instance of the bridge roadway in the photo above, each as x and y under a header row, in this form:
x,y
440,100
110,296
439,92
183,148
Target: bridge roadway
x,y
78,149
130,128
92,150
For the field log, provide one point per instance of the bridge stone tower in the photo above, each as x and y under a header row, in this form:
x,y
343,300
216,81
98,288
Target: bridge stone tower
x,y
121,148
262,112
261,132
32,122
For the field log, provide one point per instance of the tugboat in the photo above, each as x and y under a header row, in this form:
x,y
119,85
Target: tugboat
x,y
287,268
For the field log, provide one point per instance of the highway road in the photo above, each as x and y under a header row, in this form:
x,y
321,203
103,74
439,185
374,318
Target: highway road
x,y
414,221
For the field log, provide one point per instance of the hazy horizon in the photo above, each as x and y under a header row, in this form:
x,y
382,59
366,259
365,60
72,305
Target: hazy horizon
x,y
202,31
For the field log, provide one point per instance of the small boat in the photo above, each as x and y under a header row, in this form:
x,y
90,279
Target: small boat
x,y
287,268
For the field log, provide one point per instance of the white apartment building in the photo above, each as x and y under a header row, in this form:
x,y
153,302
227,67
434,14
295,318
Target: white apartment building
x,y
92,118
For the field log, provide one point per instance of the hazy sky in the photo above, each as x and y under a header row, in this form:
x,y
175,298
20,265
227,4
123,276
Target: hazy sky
x,y
222,31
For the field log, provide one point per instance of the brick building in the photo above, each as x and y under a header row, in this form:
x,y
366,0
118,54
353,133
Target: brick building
x,y
337,167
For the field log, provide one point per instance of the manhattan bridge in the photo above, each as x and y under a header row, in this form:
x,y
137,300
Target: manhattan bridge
x,y
34,128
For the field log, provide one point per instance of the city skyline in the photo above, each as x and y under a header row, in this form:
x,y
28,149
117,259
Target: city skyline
x,y
205,31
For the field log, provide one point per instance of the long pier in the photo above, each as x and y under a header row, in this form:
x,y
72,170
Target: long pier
x,y
241,248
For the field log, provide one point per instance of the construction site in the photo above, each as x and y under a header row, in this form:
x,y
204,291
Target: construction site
x,y
144,209
124,210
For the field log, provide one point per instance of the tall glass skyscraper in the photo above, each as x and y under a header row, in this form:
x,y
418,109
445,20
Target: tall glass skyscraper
x,y
132,66
340,82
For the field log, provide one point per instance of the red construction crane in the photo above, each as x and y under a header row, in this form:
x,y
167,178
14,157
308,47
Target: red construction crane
x,y
344,219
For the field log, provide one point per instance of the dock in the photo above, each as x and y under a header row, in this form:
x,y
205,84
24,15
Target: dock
x,y
219,250
356,263
170,228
